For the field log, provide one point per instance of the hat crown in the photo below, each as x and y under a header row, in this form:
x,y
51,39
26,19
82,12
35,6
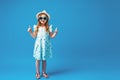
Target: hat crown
x,y
44,11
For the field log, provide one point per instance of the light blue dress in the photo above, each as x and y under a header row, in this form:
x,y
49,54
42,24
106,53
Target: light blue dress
x,y
42,48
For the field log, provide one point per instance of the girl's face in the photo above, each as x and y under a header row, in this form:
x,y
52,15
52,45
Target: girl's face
x,y
43,19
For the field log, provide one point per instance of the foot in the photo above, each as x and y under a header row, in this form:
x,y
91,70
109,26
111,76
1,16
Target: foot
x,y
45,75
38,75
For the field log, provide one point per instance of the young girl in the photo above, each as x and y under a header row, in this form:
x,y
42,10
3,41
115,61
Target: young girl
x,y
42,48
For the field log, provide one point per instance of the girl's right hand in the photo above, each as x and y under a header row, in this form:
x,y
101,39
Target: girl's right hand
x,y
29,29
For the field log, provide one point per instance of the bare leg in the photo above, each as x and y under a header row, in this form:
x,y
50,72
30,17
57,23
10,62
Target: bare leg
x,y
44,66
44,69
37,68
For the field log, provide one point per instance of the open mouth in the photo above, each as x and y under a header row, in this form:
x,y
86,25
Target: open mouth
x,y
43,21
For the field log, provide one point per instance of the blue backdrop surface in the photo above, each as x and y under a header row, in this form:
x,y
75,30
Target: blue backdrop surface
x,y
87,46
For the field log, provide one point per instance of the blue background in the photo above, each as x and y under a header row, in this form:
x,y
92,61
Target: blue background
x,y
87,46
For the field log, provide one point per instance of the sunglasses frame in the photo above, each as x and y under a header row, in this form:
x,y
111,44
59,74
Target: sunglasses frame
x,y
42,18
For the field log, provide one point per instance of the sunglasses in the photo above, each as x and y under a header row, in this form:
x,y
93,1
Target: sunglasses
x,y
42,18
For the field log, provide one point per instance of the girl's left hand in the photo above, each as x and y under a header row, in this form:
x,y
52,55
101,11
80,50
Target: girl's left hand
x,y
56,30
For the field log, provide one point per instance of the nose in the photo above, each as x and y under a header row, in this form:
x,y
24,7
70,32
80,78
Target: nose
x,y
42,20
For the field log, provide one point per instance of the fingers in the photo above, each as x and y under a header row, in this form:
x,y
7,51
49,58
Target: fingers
x,y
56,30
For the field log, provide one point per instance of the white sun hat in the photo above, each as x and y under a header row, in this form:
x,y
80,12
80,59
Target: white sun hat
x,y
41,13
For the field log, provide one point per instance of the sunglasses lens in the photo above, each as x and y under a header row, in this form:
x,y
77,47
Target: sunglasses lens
x,y
40,18
45,18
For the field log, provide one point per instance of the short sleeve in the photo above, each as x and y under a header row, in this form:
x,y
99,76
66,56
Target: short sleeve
x,y
50,28
34,27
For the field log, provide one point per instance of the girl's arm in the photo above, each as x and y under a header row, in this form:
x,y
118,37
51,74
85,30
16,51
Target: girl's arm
x,y
33,34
